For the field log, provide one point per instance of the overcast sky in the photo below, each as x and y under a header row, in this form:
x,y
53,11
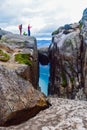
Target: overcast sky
x,y
43,15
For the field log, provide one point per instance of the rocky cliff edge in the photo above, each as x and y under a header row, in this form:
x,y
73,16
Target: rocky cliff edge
x,y
19,97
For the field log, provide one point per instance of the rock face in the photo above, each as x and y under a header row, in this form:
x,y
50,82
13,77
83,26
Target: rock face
x,y
84,35
64,114
67,53
19,100
17,48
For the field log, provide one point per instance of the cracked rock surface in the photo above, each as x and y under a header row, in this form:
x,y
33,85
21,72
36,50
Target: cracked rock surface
x,y
64,114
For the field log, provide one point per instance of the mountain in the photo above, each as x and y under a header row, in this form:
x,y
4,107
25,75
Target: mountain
x,y
43,43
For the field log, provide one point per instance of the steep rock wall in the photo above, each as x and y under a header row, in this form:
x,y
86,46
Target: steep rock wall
x,y
68,58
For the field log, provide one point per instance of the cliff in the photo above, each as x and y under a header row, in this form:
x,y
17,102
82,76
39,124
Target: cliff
x,y
19,97
67,54
17,48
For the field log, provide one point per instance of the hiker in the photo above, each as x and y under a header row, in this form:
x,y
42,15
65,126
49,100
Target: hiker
x,y
29,29
20,28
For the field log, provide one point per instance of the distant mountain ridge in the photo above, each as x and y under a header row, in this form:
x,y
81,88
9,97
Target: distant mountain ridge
x,y
43,43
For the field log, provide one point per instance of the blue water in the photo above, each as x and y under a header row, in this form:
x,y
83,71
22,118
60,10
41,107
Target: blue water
x,y
44,70
43,79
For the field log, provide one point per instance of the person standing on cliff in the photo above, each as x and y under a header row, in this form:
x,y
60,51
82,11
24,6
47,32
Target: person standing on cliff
x,y
20,29
29,27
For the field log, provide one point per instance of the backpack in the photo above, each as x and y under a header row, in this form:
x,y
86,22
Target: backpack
x,y
19,26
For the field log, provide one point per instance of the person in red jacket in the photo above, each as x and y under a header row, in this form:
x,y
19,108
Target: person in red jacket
x,y
20,29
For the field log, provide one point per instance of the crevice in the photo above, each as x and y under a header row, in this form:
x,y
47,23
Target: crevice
x,y
21,116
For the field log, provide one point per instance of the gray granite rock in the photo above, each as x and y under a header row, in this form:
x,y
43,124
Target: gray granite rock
x,y
13,44
68,59
64,114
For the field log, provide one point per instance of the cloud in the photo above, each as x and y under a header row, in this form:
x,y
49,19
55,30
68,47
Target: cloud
x,y
43,15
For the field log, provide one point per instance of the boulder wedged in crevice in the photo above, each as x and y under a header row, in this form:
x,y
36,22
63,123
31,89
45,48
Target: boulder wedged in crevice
x,y
43,59
43,56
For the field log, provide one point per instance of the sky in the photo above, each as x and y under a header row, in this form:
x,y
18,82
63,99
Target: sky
x,y
44,16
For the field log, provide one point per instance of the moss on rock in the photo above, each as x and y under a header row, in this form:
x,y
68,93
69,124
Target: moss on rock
x,y
55,32
23,59
72,79
64,79
4,56
80,25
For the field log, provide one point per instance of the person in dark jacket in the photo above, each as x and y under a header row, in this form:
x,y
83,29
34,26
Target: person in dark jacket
x,y
29,27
